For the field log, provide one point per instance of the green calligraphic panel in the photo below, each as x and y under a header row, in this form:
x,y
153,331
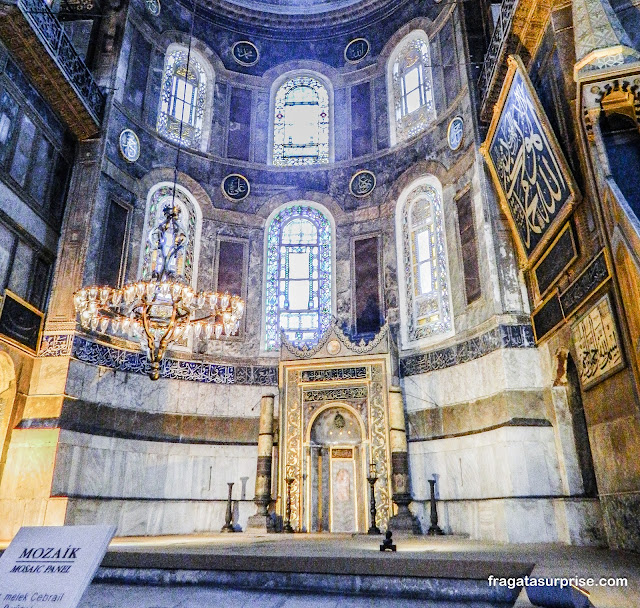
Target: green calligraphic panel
x,y
528,167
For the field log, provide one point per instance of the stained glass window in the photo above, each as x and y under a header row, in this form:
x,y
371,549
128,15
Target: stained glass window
x,y
183,264
301,123
298,287
183,99
425,264
411,86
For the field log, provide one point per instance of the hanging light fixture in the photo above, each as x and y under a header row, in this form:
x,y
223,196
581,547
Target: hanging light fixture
x,y
162,308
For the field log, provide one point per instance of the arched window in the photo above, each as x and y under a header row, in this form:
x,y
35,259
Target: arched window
x,y
298,276
427,308
301,123
184,98
188,223
410,87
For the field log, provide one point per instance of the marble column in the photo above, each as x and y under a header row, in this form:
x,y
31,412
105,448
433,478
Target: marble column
x,y
262,520
403,520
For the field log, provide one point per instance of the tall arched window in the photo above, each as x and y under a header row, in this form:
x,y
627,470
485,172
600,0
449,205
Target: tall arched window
x,y
427,306
410,87
189,222
184,98
298,276
301,123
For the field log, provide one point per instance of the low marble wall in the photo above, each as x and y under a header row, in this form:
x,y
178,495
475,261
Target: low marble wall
x,y
576,521
510,461
158,517
95,467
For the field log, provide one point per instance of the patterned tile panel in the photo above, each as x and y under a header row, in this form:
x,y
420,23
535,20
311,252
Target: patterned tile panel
x,y
195,371
503,336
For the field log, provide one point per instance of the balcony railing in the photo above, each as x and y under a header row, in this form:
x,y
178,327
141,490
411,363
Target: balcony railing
x,y
50,32
492,56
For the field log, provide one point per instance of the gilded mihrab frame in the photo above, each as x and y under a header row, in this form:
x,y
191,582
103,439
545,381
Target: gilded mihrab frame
x,y
535,185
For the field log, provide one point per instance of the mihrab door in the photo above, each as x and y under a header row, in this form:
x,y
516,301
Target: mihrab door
x,y
334,425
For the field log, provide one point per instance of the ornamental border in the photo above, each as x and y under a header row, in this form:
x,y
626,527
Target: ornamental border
x,y
503,336
174,369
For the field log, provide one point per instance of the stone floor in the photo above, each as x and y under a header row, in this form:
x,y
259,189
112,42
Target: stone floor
x,y
550,560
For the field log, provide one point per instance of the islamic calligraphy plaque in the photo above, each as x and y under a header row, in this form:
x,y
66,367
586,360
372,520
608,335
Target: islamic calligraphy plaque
x,y
356,50
534,183
362,183
597,344
245,53
129,146
235,187
455,133
153,7
20,322
589,280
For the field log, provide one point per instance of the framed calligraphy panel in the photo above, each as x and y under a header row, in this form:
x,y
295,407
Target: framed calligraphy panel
x,y
555,260
362,183
536,189
235,187
547,317
597,344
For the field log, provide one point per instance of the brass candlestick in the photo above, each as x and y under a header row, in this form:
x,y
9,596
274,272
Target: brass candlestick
x,y
373,477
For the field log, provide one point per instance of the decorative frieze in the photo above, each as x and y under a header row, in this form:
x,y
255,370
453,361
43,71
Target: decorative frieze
x,y
587,282
503,336
176,369
335,394
334,373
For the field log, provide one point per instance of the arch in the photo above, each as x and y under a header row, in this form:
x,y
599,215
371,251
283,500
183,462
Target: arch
x,y
425,298
335,404
186,97
301,119
158,197
294,265
410,87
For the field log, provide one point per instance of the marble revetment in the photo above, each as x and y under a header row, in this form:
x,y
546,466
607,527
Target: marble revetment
x,y
51,565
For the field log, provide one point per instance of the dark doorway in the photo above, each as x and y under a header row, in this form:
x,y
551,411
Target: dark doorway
x,y
580,433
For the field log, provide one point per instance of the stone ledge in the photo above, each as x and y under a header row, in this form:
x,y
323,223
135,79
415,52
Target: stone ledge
x,y
441,592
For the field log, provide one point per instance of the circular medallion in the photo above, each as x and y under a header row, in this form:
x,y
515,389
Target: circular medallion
x,y
362,183
235,187
245,53
455,133
153,6
356,50
333,347
129,146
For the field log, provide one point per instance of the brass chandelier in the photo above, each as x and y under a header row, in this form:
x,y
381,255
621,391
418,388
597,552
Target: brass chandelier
x,y
164,308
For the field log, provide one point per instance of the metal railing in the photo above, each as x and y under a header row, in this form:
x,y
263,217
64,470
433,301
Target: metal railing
x,y
490,63
50,32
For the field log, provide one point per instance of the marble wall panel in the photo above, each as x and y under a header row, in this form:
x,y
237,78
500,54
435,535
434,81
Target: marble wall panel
x,y
94,467
137,392
509,461
491,374
525,520
158,517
